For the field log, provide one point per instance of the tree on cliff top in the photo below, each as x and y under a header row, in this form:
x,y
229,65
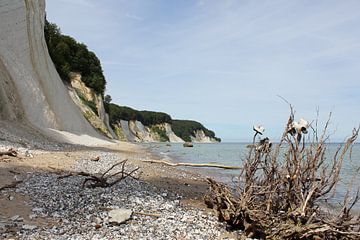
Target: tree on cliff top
x,y
70,56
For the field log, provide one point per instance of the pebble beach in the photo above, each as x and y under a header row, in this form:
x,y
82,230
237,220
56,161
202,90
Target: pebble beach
x,y
164,203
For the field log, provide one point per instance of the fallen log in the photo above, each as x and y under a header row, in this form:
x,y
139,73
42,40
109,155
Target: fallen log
x,y
192,164
11,152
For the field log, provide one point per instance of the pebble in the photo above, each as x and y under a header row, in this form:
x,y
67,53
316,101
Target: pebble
x,y
29,227
83,213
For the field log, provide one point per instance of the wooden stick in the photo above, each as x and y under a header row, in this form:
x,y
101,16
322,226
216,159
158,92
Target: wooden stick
x,y
148,214
192,164
11,152
11,185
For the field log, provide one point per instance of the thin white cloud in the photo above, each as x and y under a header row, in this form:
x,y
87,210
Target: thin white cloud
x,y
230,57
133,16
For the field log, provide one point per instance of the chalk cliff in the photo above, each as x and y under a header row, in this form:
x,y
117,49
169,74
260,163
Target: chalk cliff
x,y
200,137
135,131
31,90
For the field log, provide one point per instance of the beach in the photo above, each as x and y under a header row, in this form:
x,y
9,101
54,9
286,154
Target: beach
x,y
46,203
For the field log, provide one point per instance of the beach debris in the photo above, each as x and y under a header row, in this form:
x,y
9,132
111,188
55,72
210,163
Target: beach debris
x,y
28,154
11,152
298,128
118,216
15,218
157,215
188,144
95,159
102,180
29,227
264,145
212,165
279,192
11,185
259,129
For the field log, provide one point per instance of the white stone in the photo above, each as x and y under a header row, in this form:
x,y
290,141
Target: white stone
x,y
119,216
29,227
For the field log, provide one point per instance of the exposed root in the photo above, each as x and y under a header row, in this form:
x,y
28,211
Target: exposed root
x,y
279,192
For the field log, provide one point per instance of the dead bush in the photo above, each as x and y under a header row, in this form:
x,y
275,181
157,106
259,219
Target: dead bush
x,y
280,190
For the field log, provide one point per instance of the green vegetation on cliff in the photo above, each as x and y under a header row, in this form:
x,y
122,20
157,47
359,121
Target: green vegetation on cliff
x,y
70,56
182,128
148,118
161,132
186,128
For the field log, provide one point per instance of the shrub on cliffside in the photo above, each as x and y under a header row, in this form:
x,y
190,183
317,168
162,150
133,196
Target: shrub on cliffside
x,y
186,128
148,118
70,56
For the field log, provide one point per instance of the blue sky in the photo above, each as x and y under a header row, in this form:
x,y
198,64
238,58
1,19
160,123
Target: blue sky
x,y
224,63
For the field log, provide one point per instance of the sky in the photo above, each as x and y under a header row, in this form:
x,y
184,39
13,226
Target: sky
x,y
225,63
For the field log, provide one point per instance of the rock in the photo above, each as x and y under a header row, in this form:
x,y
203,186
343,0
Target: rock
x,y
15,218
28,154
11,198
188,144
29,227
119,216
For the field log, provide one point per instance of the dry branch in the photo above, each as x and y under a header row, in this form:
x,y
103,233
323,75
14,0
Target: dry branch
x,y
11,185
279,192
192,164
148,214
11,152
103,180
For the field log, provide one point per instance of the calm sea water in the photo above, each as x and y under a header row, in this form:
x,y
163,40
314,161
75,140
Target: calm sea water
x,y
233,154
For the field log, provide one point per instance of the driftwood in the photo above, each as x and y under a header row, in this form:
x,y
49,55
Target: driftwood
x,y
192,164
11,185
103,180
11,152
279,193
148,214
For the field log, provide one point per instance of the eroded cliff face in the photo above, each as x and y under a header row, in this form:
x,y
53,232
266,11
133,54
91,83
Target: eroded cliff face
x,y
31,89
81,94
135,131
200,137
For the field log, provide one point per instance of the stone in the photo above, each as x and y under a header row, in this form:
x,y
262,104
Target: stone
x,y
119,216
29,227
15,218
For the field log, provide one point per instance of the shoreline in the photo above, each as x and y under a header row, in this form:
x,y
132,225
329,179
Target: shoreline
x,y
180,191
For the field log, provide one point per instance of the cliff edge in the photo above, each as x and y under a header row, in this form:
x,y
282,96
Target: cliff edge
x,y
31,91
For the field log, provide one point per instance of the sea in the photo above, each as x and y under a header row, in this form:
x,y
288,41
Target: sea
x,y
233,154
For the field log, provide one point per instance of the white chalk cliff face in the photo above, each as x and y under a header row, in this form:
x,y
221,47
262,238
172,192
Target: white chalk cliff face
x,y
31,90
200,137
135,131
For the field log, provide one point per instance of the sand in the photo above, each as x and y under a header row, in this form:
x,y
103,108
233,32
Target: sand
x,y
187,184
